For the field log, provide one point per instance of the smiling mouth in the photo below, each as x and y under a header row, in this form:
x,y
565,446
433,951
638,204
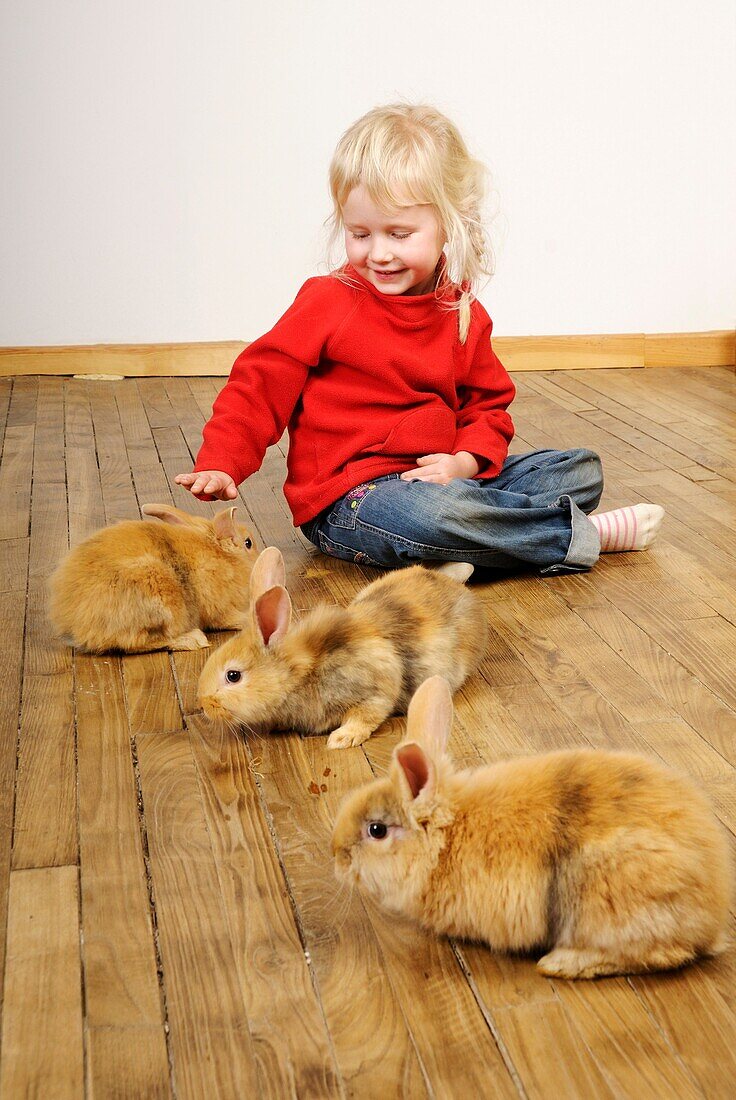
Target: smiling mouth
x,y
388,274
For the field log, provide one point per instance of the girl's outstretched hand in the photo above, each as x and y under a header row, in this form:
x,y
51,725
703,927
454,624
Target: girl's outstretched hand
x,y
443,469
209,483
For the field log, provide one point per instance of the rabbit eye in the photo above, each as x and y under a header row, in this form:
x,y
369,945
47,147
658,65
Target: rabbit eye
x,y
233,675
248,544
377,830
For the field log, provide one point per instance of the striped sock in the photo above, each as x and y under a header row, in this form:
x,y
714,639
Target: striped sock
x,y
632,528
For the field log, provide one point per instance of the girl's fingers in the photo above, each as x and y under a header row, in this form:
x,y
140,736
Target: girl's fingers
x,y
208,484
219,487
205,483
427,475
214,480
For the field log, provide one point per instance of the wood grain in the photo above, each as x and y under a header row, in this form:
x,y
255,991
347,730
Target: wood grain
x,y
290,1038
45,829
13,570
42,1022
211,1045
121,984
126,1063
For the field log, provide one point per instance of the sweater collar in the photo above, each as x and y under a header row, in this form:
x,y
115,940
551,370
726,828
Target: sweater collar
x,y
409,307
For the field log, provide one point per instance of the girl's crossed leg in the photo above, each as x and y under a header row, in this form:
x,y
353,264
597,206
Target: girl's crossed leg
x,y
533,514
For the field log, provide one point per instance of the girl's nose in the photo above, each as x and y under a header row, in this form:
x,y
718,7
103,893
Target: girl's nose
x,y
380,252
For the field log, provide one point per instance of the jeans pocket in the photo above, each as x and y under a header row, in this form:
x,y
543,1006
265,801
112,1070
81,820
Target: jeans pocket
x,y
345,510
345,553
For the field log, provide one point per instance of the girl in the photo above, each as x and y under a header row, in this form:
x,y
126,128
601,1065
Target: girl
x,y
395,401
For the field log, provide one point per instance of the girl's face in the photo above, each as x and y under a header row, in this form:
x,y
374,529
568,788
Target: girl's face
x,y
396,250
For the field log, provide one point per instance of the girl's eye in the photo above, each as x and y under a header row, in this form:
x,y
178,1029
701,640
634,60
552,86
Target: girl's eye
x,y
401,236
359,236
377,829
233,675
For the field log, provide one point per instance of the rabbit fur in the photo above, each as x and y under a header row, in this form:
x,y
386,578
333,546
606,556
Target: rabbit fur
x,y
605,862
344,669
142,585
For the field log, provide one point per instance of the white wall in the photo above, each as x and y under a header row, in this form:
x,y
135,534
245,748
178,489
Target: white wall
x,y
164,163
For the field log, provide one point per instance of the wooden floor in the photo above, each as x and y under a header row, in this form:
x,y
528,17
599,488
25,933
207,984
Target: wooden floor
x,y
169,920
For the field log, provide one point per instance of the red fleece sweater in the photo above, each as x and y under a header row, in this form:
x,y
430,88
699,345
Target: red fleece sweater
x,y
366,382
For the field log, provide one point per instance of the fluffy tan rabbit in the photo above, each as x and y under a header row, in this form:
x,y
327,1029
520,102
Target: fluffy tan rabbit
x,y
608,862
142,585
344,669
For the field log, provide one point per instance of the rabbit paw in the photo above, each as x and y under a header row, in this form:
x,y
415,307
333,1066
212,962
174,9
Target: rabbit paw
x,y
348,735
195,639
567,962
571,963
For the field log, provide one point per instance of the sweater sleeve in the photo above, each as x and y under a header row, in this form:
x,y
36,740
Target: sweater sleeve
x,y
252,410
484,427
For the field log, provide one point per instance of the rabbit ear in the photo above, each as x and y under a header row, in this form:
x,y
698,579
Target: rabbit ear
x,y
429,718
268,572
413,772
272,615
169,514
224,524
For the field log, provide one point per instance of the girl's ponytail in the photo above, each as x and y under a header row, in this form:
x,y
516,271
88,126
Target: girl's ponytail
x,y
477,259
463,312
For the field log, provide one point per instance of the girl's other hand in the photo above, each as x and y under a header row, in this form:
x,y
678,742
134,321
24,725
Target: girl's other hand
x,y
206,484
443,469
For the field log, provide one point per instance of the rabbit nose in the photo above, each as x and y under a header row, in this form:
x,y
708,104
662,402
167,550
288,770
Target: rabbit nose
x,y
210,705
342,858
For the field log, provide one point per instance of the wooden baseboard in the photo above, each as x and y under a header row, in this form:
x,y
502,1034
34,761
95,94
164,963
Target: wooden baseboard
x,y
126,360
569,352
517,353
666,349
689,349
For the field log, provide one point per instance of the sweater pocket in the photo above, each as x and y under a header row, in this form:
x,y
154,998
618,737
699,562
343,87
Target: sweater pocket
x,y
423,431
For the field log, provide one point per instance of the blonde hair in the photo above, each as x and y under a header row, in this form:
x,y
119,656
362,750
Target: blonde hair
x,y
407,154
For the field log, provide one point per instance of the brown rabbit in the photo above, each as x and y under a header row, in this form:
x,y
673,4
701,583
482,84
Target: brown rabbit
x,y
608,862
138,585
344,669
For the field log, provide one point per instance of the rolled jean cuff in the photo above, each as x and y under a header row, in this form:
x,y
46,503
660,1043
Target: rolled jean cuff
x,y
585,543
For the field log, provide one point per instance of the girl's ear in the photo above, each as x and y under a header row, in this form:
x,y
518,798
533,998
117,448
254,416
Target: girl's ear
x,y
224,524
268,572
169,514
429,718
272,615
413,772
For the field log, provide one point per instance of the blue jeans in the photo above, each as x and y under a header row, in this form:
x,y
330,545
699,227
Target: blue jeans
x,y
532,514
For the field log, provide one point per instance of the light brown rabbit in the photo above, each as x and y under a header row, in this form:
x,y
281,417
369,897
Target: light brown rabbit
x,y
344,669
609,863
142,585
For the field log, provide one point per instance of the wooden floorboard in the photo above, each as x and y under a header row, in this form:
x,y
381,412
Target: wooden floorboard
x,y
170,925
